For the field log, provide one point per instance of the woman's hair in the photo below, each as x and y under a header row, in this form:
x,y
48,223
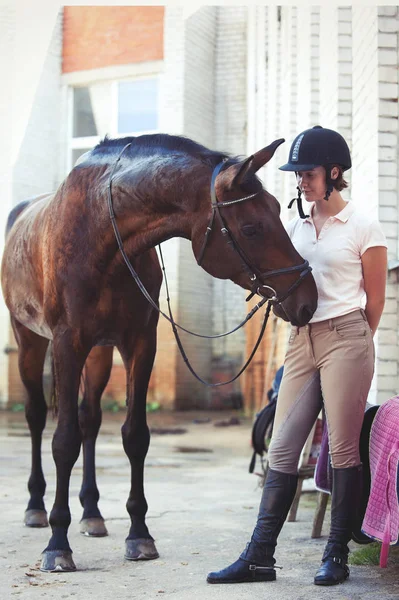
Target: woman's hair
x,y
339,183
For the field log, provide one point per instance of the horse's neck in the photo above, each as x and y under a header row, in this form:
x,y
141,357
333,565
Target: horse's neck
x,y
158,206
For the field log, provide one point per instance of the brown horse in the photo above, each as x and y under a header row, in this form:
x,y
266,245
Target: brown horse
x,y
64,280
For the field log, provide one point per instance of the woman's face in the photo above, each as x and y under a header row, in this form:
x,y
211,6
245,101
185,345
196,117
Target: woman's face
x,y
312,183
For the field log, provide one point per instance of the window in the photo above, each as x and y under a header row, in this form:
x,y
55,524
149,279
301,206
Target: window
x,y
137,105
113,108
83,119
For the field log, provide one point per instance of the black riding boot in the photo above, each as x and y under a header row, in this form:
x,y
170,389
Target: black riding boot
x,y
345,488
256,563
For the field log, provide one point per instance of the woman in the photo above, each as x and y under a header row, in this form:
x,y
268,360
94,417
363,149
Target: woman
x,y
333,355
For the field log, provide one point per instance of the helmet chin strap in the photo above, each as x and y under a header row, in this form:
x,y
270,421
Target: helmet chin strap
x,y
329,181
298,199
329,190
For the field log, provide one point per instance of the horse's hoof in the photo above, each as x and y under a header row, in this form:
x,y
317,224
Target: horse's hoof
x,y
55,561
35,517
141,549
93,527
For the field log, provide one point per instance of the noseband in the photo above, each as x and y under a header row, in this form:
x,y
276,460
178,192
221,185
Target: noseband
x,y
257,278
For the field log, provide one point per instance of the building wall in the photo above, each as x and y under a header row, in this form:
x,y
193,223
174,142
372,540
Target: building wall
x,y
235,78
7,48
35,171
228,302
231,125
36,168
340,72
102,36
388,156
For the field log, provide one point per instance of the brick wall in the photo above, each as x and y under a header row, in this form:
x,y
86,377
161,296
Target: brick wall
x,y
341,72
101,36
188,109
329,66
7,47
36,167
228,301
35,171
364,187
344,116
315,65
388,155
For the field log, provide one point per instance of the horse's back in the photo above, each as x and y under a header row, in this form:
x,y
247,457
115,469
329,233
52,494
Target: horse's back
x,y
19,208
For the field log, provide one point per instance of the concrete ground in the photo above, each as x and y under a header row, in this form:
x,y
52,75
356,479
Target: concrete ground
x,y
202,508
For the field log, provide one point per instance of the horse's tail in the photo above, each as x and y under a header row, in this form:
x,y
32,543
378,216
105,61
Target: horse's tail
x,y
53,394
84,382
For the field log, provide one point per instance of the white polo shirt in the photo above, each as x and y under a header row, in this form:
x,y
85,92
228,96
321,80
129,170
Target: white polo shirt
x,y
335,257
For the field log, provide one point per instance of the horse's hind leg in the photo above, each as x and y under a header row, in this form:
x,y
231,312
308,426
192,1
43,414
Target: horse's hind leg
x,y
31,354
95,377
139,359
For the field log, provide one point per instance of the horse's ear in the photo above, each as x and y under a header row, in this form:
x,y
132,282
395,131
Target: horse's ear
x,y
252,164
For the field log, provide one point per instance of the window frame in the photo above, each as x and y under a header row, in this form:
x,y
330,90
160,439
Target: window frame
x,y
111,76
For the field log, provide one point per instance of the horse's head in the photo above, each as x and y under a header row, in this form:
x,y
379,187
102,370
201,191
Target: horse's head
x,y
246,240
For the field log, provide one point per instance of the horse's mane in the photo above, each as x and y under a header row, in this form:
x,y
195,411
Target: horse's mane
x,y
162,143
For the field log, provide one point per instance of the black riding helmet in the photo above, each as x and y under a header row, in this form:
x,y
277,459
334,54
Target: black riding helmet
x,y
317,147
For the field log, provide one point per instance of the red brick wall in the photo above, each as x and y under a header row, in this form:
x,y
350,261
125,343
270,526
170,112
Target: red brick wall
x,y
103,36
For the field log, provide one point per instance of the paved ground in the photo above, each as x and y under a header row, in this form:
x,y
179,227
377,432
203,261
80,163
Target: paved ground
x,y
202,507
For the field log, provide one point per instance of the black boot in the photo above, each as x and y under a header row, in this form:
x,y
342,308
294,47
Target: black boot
x,y
256,563
345,486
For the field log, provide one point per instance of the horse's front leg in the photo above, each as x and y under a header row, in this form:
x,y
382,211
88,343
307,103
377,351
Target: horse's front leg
x,y
95,377
136,438
69,359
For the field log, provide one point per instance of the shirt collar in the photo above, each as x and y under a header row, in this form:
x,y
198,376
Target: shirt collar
x,y
342,216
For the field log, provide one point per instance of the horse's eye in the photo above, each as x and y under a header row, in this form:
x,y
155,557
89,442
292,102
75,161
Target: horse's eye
x,y
249,230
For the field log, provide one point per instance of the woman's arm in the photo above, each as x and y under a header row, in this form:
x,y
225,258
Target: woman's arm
x,y
374,263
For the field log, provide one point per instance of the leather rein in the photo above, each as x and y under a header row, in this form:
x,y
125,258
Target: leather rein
x,y
256,277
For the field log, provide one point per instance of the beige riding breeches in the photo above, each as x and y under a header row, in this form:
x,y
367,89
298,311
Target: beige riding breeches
x,y
330,362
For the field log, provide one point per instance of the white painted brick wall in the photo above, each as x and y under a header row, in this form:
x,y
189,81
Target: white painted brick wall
x,y
228,301
315,65
7,48
188,109
365,107
344,120
199,75
171,117
273,81
365,110
36,168
303,49
288,99
329,66
388,155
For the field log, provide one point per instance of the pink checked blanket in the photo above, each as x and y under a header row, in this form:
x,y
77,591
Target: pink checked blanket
x,y
381,520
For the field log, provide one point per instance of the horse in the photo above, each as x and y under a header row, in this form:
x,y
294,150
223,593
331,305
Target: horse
x,y
65,281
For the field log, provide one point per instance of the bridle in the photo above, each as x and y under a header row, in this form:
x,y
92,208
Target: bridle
x,y
258,284
256,277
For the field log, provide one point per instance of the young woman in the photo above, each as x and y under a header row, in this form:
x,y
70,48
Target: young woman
x,y
330,358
